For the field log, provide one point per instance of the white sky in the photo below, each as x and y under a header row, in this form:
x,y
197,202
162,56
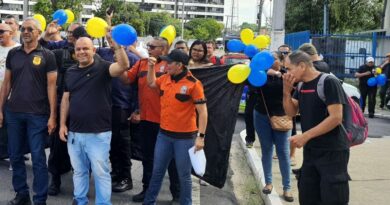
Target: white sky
x,y
247,10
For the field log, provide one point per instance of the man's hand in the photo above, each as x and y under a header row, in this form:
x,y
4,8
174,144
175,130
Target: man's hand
x,y
199,144
288,83
51,125
299,140
135,117
63,132
152,61
1,119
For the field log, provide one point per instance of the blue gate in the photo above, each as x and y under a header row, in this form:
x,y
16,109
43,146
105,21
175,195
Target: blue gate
x,y
344,53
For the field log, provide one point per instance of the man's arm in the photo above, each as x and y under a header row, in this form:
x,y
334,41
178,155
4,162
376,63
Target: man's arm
x,y
334,119
52,95
202,124
290,105
151,77
4,92
122,64
64,115
359,75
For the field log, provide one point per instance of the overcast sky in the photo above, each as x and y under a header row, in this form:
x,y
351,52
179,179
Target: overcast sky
x,y
247,10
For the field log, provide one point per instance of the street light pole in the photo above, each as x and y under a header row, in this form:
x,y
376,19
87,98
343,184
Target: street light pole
x,y
25,8
182,20
326,17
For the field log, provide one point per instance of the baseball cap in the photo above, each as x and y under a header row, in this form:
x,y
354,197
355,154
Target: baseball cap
x,y
176,55
370,59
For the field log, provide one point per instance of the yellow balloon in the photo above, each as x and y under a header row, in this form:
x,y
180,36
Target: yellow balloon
x,y
41,21
70,15
247,36
238,73
378,70
169,33
261,42
96,27
268,38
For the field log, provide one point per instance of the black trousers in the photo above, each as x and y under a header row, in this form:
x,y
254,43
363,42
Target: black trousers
x,y
58,161
369,92
382,94
120,152
250,103
149,132
324,178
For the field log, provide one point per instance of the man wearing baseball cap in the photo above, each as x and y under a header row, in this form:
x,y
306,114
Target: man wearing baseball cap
x,y
365,72
181,96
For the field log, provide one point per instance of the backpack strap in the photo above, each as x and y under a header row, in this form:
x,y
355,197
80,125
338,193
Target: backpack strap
x,y
321,85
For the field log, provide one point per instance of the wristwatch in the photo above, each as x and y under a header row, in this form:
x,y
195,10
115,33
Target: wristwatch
x,y
201,135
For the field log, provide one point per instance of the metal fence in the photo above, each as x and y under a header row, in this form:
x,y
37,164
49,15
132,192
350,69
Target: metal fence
x,y
344,53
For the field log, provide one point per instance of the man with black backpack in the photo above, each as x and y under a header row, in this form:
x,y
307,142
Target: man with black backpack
x,y
324,175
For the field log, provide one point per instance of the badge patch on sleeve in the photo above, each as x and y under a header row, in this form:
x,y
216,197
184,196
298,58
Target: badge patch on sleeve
x,y
37,60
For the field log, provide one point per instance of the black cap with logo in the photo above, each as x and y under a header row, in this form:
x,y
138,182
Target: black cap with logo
x,y
176,55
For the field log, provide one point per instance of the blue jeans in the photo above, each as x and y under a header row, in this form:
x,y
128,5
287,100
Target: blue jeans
x,y
166,149
90,150
31,129
268,137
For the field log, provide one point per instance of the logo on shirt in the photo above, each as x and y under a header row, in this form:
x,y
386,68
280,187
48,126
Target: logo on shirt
x,y
162,68
183,89
37,60
308,91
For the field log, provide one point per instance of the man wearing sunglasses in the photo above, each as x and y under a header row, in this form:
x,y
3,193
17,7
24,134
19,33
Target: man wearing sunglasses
x,y
149,114
31,74
6,44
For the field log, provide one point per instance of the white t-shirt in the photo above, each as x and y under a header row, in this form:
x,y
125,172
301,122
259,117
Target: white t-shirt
x,y
3,57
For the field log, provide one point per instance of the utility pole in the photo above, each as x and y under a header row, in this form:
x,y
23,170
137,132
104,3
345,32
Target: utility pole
x,y
182,20
259,15
176,8
386,17
326,17
277,25
25,8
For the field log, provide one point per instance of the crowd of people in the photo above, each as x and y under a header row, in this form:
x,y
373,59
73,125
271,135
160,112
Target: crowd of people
x,y
90,101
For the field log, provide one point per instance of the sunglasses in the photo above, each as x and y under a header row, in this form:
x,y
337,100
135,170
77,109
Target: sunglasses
x,y
3,31
28,29
152,47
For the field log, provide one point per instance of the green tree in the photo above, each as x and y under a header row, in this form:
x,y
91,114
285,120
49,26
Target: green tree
x,y
124,12
156,21
204,28
345,16
251,26
48,7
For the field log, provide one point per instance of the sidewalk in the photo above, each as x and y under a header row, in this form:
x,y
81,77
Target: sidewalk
x,y
369,167
380,113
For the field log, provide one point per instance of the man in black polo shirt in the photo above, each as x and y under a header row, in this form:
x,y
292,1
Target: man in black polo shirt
x,y
89,110
31,110
365,72
324,175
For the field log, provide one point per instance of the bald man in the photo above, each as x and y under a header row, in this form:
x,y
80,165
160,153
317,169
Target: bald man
x,y
89,112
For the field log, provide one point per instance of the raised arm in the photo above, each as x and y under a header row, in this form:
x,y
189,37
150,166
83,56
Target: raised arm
x,y
151,77
290,105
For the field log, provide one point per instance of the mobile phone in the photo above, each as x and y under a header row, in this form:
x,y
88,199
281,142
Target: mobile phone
x,y
110,9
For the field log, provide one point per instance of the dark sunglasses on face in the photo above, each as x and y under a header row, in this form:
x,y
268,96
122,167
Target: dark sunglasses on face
x,y
28,29
3,31
152,47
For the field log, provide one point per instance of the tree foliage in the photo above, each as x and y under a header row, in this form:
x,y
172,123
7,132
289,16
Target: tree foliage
x,y
345,16
48,7
204,28
251,26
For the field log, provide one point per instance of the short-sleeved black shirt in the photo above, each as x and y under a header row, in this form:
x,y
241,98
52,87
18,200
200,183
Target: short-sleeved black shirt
x,y
90,97
29,79
363,80
313,111
273,96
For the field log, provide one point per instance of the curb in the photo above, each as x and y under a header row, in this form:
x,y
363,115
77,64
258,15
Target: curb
x,y
381,116
257,169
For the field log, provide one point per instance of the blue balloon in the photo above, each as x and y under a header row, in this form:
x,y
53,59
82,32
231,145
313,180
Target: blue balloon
x,y
235,46
262,61
60,16
124,34
251,51
381,79
372,82
257,78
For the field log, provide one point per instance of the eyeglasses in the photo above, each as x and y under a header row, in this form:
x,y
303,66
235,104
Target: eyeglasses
x,y
3,31
198,50
152,47
28,29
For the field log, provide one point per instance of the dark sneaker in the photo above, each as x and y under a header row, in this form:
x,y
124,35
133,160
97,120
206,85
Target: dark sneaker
x,y
123,185
20,200
53,190
175,201
139,197
371,115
